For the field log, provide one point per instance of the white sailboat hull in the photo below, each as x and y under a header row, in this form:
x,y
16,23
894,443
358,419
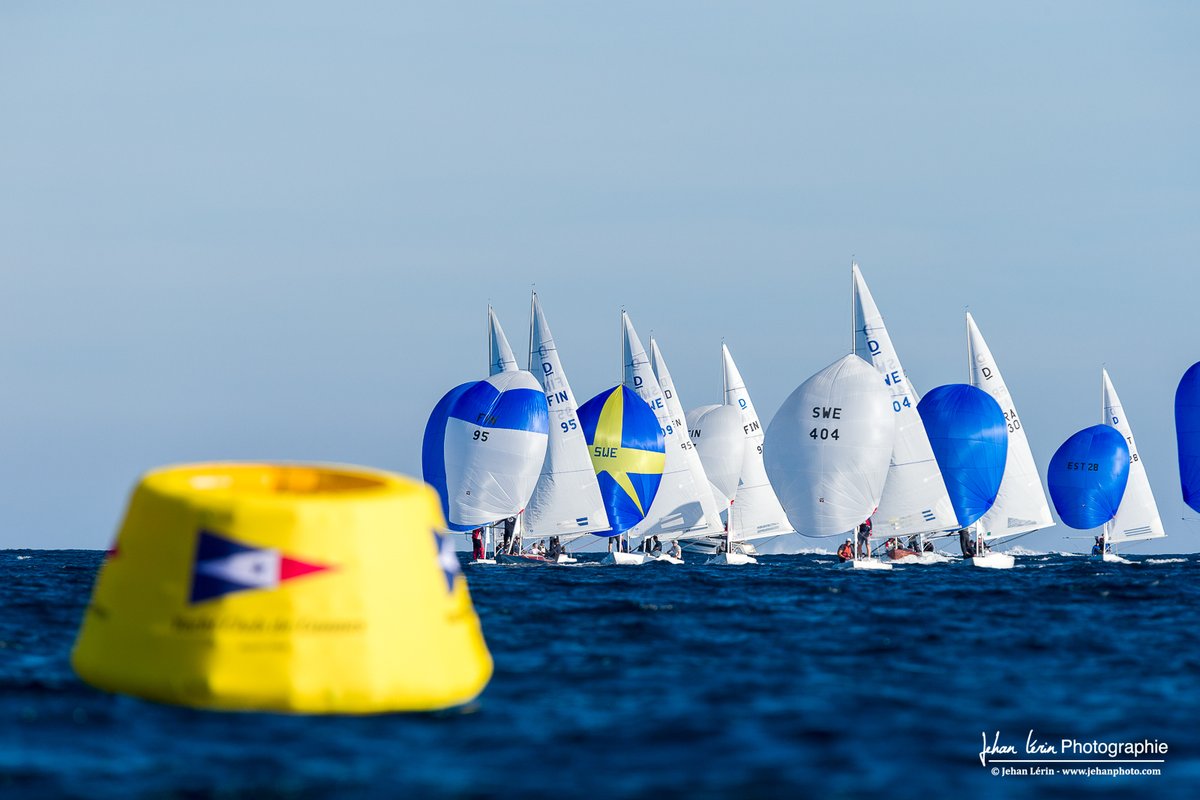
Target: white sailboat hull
x,y
730,559
1111,558
624,559
664,558
993,561
481,562
865,563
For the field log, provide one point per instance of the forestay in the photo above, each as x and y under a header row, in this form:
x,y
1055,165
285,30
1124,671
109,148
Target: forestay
x,y
566,500
828,448
1021,505
1137,518
914,498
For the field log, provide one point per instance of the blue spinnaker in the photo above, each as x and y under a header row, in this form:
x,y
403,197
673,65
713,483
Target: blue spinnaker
x,y
1187,432
969,436
1087,476
626,446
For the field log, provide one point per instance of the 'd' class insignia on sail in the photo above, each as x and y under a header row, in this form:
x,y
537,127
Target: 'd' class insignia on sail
x,y
626,448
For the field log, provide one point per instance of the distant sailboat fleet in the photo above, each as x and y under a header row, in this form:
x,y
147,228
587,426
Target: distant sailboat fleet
x,y
526,471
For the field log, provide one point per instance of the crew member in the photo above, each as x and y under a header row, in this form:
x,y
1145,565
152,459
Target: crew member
x,y
846,551
477,544
964,541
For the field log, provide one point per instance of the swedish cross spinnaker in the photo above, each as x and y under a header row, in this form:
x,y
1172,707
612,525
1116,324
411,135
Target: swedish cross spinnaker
x,y
1187,432
969,436
1087,476
484,447
828,448
626,447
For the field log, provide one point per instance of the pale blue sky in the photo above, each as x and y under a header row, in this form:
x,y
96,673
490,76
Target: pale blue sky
x,y
272,231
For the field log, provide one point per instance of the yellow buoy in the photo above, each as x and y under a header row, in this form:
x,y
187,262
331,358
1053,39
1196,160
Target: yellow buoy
x,y
311,589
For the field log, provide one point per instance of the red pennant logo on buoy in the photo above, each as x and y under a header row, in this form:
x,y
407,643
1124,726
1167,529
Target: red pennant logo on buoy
x,y
224,566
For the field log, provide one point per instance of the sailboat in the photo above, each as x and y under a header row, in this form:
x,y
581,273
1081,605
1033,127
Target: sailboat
x,y
760,517
716,432
968,432
1021,506
1088,475
1137,518
566,501
484,446
828,452
683,506
627,451
677,423
914,498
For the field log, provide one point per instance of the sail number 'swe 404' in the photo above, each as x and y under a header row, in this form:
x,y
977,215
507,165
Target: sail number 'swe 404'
x,y
825,412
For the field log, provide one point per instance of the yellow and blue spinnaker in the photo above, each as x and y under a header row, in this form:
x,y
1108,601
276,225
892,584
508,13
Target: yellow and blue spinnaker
x,y
627,451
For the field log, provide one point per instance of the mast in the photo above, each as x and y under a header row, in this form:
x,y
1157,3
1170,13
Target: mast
x,y
532,303
853,319
1104,529
491,355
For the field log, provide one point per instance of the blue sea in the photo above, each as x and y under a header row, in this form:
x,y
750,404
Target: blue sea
x,y
789,679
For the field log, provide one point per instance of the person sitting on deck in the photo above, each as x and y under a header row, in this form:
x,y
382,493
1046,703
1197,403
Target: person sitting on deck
x,y
676,551
1098,547
846,551
555,547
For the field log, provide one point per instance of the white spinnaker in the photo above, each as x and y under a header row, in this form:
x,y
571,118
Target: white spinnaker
x,y
759,513
716,431
683,506
500,355
914,498
489,478
828,448
566,500
1137,517
1021,504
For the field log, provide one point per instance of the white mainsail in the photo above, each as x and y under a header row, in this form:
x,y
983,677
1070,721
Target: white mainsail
x,y
1021,504
759,513
1137,517
500,355
914,498
828,448
683,506
566,501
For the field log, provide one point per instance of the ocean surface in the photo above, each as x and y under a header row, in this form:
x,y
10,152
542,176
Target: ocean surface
x,y
789,679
